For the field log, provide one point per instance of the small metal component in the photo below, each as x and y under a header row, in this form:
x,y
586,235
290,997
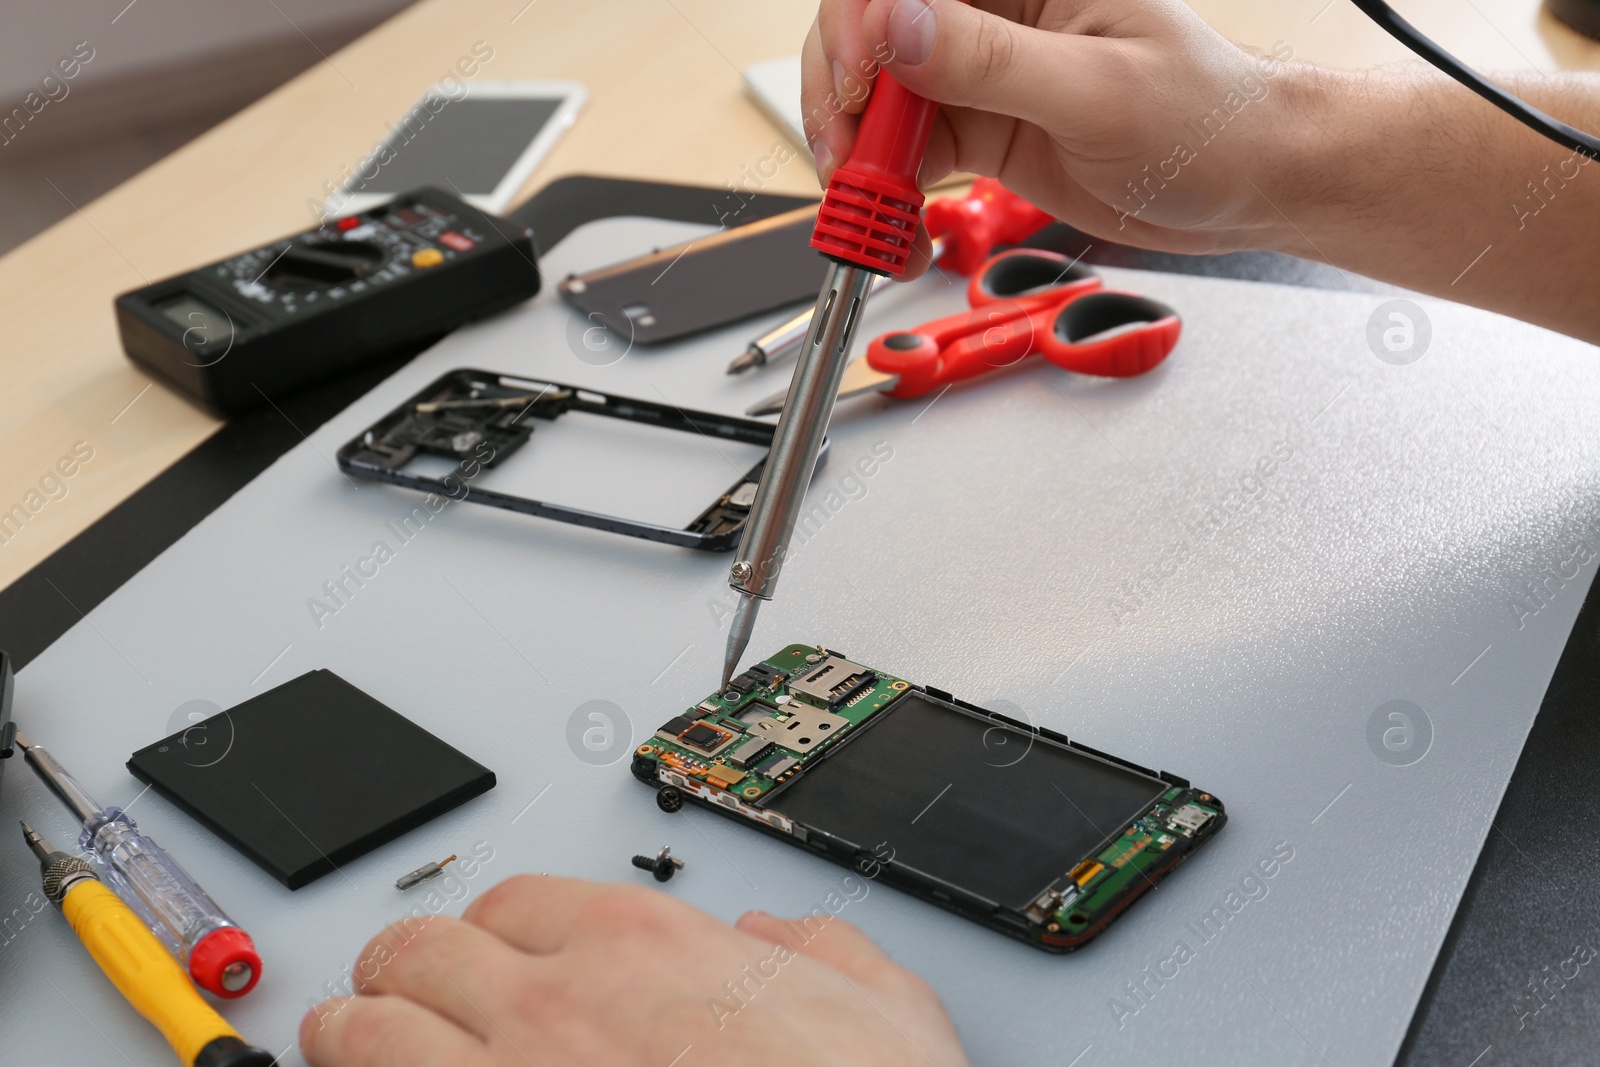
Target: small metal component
x,y
743,496
428,407
61,872
832,683
1189,818
423,873
753,749
237,976
803,730
56,777
776,769
750,357
669,798
663,866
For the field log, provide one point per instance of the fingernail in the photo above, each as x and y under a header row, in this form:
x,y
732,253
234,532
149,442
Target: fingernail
x,y
838,83
912,29
824,157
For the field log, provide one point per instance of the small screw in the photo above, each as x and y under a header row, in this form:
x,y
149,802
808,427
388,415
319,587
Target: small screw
x,y
663,866
741,571
669,799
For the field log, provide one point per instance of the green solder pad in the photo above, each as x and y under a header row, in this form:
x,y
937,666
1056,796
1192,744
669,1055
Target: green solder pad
x,y
1014,826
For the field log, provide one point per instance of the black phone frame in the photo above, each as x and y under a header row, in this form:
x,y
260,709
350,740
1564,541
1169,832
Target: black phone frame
x,y
716,529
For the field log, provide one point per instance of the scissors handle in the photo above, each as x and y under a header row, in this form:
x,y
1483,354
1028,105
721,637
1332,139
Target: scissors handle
x,y
1026,301
1007,295
1031,277
1109,333
953,348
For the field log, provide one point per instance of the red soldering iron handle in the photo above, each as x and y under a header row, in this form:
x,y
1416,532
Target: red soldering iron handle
x,y
869,213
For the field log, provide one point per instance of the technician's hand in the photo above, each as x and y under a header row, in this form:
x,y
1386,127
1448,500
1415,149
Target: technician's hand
x,y
545,970
1067,102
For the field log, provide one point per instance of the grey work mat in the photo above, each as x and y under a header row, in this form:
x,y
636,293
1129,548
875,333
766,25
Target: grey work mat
x,y
1229,569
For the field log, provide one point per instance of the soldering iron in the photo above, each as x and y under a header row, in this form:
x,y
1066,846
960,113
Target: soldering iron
x,y
865,227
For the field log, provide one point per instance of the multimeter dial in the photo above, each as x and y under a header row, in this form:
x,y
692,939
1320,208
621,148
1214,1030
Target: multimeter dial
x,y
347,257
320,265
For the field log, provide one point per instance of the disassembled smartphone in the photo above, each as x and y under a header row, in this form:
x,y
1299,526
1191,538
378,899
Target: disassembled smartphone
x,y
732,275
479,417
1010,825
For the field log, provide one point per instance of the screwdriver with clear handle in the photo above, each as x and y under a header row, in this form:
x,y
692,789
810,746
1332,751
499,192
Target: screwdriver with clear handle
x,y
128,954
219,956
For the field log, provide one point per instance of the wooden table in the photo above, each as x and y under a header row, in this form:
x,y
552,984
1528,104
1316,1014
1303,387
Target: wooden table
x,y
665,102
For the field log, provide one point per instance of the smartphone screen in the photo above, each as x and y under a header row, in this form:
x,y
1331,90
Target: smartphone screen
x,y
467,148
480,147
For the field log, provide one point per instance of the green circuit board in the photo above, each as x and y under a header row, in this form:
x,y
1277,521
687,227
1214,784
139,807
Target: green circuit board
x,y
774,718
1099,881
888,744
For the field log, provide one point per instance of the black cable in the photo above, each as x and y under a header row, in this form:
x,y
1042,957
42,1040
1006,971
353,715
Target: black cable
x,y
1525,113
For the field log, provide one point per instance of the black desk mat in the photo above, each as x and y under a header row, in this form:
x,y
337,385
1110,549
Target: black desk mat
x,y
1507,987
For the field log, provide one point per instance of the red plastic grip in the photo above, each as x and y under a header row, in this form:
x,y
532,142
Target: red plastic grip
x,y
215,953
973,225
869,213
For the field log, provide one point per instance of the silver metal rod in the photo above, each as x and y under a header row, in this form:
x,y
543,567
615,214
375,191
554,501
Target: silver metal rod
x,y
795,444
56,777
801,429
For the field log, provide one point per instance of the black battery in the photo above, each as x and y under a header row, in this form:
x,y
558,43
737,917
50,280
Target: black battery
x,y
257,325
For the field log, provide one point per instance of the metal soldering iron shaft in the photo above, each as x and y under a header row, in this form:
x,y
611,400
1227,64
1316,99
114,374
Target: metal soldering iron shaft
x,y
786,338
796,442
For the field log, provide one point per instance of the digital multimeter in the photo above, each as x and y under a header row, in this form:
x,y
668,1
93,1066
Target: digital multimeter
x,y
301,309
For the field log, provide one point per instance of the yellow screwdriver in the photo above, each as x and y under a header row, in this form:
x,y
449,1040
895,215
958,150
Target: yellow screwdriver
x,y
138,965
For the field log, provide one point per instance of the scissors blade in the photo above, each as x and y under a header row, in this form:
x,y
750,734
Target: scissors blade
x,y
859,377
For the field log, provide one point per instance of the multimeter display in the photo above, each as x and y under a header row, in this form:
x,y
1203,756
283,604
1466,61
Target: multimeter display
x,y
305,307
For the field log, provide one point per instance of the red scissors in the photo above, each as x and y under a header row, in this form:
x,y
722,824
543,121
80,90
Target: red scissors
x,y
1023,301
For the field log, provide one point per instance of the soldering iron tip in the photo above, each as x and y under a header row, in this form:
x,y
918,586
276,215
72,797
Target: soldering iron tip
x,y
744,623
749,359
